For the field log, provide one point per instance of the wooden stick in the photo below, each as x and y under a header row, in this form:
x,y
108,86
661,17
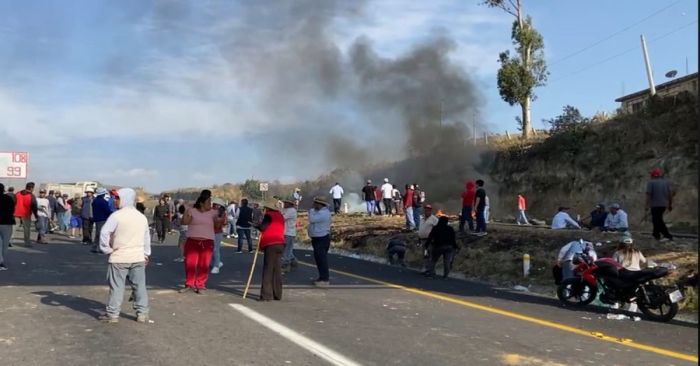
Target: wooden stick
x,y
252,267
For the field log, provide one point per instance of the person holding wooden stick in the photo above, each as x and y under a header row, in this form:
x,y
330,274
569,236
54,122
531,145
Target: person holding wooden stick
x,y
271,243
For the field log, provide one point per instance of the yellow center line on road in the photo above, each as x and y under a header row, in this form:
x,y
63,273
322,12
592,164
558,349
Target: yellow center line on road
x,y
547,323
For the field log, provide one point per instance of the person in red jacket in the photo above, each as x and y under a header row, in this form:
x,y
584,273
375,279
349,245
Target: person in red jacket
x,y
408,207
25,207
272,244
467,206
522,206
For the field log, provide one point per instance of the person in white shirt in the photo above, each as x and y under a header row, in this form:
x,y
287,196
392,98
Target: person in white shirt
x,y
387,196
569,251
487,209
397,198
44,213
428,222
126,237
289,212
562,220
337,193
232,217
616,219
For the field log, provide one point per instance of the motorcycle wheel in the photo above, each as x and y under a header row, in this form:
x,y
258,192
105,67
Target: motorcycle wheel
x,y
661,309
576,292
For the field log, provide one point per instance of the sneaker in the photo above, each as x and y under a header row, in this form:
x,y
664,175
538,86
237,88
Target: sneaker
x,y
200,291
215,270
481,233
221,264
179,259
185,289
322,284
71,237
2,267
239,252
142,318
106,318
663,240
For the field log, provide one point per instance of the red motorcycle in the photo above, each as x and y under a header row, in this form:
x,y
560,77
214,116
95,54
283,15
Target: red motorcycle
x,y
618,285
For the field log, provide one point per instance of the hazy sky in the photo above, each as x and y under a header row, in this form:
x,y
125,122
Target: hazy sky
x,y
164,94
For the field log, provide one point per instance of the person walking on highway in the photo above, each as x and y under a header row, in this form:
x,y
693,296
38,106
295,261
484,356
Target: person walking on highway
x,y
243,226
170,215
7,222
219,206
441,242
418,199
387,196
480,205
319,231
232,216
51,226
272,241
659,198
200,220
61,212
25,207
522,206
160,216
86,215
125,236
289,213
76,221
467,206
101,210
368,193
408,207
337,193
182,230
44,215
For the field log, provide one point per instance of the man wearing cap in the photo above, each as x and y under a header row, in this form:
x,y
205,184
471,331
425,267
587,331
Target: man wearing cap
x,y
125,236
597,217
86,215
659,197
336,193
426,226
616,220
44,210
101,209
562,220
289,212
319,231
368,193
272,242
387,195
25,207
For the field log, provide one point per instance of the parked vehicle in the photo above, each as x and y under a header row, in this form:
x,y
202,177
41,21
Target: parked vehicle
x,y
658,302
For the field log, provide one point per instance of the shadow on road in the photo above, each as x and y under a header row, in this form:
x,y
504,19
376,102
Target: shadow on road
x,y
86,306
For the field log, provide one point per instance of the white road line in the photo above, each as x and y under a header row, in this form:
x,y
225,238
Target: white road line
x,y
334,358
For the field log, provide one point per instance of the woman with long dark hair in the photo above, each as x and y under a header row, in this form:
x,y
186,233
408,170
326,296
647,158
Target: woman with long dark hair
x,y
200,220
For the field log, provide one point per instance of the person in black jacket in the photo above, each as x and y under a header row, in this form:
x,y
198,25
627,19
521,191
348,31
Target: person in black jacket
x,y
396,247
244,225
441,243
7,221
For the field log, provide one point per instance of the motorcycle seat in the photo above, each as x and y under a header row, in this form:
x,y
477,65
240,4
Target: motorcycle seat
x,y
642,276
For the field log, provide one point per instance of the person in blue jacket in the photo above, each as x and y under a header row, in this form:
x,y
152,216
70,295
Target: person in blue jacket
x,y
102,207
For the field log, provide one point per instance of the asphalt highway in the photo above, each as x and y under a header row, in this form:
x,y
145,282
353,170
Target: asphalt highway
x,y
372,314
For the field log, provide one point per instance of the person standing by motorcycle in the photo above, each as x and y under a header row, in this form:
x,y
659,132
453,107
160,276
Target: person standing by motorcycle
x,y
631,259
569,251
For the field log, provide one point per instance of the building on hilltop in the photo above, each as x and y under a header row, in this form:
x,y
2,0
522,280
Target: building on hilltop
x,y
634,102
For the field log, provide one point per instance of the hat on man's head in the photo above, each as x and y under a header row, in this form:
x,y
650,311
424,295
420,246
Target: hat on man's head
x,y
429,206
100,191
386,180
655,173
42,190
615,206
218,201
289,200
600,206
320,200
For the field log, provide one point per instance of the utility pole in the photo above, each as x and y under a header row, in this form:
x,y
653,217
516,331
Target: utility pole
x,y
652,88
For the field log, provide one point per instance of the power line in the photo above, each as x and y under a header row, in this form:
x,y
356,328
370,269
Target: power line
x,y
612,35
624,52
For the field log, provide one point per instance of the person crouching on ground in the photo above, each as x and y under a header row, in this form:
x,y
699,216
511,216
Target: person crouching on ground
x,y
126,238
289,213
396,248
320,233
200,220
442,242
271,243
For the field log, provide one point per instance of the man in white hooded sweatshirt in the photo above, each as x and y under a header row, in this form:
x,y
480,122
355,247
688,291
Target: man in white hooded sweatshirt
x,y
126,238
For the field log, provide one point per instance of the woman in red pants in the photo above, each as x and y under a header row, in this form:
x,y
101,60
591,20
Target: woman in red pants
x,y
199,245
